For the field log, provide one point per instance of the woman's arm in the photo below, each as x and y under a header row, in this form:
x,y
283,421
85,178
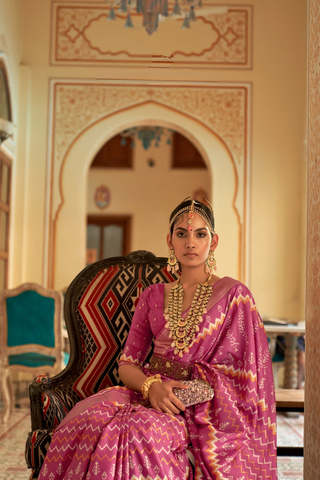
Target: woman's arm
x,y
132,376
160,394
135,352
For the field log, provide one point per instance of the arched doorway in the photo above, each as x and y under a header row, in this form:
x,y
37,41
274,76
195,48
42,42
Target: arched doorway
x,y
138,160
69,236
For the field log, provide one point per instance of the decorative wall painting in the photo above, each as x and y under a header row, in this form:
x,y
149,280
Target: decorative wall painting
x,y
102,197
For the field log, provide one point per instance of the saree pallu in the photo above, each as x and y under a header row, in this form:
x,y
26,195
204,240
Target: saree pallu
x,y
232,437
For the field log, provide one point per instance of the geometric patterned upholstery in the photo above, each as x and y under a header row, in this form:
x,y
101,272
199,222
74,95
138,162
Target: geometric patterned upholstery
x,y
36,449
99,306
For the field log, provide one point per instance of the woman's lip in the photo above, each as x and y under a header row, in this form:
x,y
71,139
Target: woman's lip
x,y
190,254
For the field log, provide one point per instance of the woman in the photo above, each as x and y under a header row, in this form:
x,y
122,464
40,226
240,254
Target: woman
x,y
207,328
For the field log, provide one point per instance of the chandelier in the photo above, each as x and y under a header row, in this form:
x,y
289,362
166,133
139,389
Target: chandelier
x,y
151,11
146,135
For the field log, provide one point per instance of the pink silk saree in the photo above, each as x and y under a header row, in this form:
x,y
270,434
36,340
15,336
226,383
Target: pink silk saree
x,y
232,437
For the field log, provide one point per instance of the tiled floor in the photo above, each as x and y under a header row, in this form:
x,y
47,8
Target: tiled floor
x,y
12,444
13,437
290,432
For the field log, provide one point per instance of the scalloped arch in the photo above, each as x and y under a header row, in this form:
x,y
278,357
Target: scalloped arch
x,y
68,202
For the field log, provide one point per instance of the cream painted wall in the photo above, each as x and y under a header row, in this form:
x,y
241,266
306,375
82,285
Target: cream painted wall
x,y
279,162
278,130
130,190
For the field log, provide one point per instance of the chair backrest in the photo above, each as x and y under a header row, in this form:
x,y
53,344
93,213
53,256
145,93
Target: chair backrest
x,y
99,306
30,322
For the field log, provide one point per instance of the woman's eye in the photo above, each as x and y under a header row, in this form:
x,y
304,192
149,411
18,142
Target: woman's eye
x,y
201,235
180,234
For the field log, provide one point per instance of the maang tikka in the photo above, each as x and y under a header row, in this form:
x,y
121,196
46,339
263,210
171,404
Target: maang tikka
x,y
172,264
190,216
211,263
190,208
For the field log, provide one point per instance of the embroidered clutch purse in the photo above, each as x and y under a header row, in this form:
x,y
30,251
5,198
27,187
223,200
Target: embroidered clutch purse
x,y
198,392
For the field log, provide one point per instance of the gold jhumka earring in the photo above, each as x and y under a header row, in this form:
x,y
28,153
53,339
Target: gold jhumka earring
x,y
211,263
172,264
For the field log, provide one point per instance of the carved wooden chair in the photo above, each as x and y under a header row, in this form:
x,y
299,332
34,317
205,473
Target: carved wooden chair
x,y
99,305
30,335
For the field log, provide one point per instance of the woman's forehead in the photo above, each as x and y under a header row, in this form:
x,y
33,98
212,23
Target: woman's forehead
x,y
197,221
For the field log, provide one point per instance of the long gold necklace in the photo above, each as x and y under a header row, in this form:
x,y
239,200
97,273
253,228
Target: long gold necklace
x,y
183,330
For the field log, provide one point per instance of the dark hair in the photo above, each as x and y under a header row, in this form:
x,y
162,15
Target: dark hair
x,y
199,207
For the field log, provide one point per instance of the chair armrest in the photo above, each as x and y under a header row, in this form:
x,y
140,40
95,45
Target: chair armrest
x,y
47,410
47,407
37,445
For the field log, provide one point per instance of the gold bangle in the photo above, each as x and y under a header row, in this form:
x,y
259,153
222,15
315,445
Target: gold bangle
x,y
147,384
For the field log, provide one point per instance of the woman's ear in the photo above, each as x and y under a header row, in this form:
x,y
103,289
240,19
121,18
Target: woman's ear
x,y
214,242
169,241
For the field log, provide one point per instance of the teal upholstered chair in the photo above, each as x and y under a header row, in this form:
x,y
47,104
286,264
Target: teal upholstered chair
x,y
30,335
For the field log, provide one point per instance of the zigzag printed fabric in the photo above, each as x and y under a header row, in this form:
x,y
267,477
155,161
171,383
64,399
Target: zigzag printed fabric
x,y
110,435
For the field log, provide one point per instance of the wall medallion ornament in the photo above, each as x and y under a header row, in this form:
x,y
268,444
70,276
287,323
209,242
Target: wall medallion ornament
x,y
102,197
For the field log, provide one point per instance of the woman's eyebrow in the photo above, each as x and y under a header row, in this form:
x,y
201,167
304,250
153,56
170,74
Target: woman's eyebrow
x,y
185,230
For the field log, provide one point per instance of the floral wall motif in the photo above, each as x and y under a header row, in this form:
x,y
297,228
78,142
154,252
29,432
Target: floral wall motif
x,y
312,419
82,35
222,108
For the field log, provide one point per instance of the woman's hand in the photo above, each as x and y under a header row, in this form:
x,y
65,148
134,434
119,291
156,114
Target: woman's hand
x,y
162,398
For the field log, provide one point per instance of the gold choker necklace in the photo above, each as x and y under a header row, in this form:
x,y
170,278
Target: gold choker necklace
x,y
183,330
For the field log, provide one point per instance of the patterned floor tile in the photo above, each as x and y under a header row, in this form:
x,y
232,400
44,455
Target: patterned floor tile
x,y
13,437
290,468
290,430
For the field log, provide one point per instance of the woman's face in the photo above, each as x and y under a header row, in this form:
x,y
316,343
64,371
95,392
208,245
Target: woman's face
x,y
191,246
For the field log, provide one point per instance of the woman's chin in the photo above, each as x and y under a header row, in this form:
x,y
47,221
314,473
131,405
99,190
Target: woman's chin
x,y
192,262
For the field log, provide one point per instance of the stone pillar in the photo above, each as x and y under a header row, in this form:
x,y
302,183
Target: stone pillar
x,y
312,387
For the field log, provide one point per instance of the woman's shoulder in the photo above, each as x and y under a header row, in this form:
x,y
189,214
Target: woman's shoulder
x,y
152,291
233,286
155,288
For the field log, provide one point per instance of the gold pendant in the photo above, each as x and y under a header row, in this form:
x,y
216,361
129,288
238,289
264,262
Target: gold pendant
x,y
182,322
181,333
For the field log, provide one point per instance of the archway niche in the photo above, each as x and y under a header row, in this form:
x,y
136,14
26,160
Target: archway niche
x,y
70,223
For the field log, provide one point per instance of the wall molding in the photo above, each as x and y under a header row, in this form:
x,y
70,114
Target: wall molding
x,y
81,35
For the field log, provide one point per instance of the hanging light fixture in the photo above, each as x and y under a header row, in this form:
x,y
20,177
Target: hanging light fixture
x,y
147,135
152,9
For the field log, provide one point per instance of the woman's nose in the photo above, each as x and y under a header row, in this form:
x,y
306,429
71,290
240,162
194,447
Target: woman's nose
x,y
190,241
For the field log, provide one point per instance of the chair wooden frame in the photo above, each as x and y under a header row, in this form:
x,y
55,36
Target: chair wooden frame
x,y
62,380
52,398
5,351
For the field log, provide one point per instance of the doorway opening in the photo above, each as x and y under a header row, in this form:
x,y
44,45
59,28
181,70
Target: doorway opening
x,y
133,181
107,236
